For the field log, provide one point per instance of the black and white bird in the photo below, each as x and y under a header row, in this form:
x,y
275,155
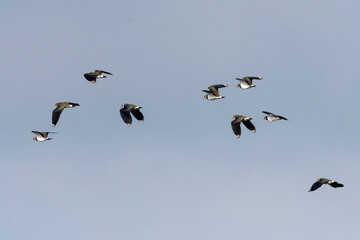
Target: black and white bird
x,y
134,110
322,181
213,92
273,117
92,76
41,136
58,110
235,124
246,82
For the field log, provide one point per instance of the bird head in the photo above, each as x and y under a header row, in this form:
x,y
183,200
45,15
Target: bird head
x,y
238,85
265,118
34,138
206,97
123,105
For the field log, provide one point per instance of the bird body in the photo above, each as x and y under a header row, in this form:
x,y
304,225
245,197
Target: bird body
x,y
134,110
246,82
41,136
213,92
273,117
235,124
58,110
92,76
321,181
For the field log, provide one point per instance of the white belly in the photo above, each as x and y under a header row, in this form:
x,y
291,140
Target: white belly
x,y
244,84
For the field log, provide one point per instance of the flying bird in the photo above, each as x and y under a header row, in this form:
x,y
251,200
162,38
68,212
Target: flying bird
x,y
273,117
41,136
246,82
58,110
322,181
213,93
235,124
134,110
92,76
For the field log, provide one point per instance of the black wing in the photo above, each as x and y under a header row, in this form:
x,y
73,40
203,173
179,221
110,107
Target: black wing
x,y
336,184
56,115
281,117
315,186
137,114
73,104
126,116
103,72
257,78
90,77
268,113
236,128
249,125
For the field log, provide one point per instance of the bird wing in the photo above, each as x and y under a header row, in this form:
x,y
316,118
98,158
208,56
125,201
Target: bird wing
x,y
336,184
281,117
137,114
236,128
101,71
214,91
249,125
56,115
257,78
125,115
70,104
315,186
40,134
214,88
268,113
91,77
207,91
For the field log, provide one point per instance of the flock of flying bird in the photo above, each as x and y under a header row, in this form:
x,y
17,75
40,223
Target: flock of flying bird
x,y
211,94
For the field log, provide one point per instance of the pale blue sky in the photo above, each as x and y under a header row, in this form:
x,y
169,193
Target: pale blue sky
x,y
181,174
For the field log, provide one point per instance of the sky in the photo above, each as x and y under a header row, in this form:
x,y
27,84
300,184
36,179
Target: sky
x,y
182,173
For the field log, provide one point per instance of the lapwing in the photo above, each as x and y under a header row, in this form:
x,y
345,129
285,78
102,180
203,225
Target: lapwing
x,y
322,181
41,136
235,124
92,76
246,82
273,117
213,93
134,110
58,110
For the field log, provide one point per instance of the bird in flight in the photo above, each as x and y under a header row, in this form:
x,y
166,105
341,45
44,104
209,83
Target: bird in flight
x,y
41,136
134,110
322,181
246,82
58,110
213,92
92,76
235,124
273,117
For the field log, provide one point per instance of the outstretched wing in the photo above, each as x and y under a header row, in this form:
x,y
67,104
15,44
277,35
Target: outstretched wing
x,y
73,104
137,114
336,184
91,77
214,88
103,72
315,186
236,128
281,117
38,133
56,115
268,113
125,115
257,78
249,125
